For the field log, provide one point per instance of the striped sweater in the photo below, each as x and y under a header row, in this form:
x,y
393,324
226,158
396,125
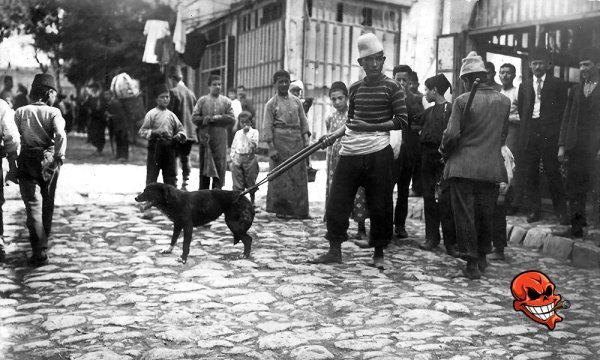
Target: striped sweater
x,y
378,101
374,101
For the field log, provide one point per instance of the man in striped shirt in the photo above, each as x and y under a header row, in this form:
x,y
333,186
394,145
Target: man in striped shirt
x,y
376,106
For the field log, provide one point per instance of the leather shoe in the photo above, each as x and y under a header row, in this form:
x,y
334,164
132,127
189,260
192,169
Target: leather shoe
x,y
497,254
570,233
472,270
428,245
452,251
363,244
533,217
400,232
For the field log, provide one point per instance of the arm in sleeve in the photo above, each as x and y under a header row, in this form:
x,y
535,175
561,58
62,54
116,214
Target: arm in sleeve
x,y
452,132
563,94
10,133
60,136
562,137
197,114
302,117
520,99
234,145
227,118
178,129
400,115
253,138
146,129
268,120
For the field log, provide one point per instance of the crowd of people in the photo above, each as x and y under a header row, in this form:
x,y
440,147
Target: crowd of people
x,y
473,161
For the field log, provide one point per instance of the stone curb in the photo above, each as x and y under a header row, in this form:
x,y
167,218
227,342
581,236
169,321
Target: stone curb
x,y
575,252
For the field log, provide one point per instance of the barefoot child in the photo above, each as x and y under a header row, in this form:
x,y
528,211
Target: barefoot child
x,y
244,164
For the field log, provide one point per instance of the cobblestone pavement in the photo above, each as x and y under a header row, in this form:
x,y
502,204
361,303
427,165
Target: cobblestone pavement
x,y
108,293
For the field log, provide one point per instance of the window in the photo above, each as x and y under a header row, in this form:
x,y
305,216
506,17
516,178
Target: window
x,y
272,11
367,16
339,16
309,6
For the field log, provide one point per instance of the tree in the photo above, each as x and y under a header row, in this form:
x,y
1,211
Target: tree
x,y
89,40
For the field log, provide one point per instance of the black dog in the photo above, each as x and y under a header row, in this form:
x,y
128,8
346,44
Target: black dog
x,y
195,208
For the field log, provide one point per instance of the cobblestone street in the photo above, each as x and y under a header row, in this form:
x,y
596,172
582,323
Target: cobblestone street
x,y
108,294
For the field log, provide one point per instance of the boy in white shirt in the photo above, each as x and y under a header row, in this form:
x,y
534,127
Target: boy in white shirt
x,y
244,164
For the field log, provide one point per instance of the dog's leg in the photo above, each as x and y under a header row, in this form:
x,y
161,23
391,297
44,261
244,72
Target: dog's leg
x,y
176,232
187,239
247,241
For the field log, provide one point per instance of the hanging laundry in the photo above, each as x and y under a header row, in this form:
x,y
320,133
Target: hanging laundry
x,y
154,30
195,44
164,50
179,32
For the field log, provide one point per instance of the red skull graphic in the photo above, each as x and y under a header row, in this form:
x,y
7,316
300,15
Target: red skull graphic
x,y
534,295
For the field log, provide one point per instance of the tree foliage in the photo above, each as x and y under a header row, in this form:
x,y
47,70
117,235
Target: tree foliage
x,y
89,40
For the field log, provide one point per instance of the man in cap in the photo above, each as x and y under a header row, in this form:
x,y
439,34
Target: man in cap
x,y
43,146
579,138
182,105
213,115
410,152
474,166
432,124
541,101
376,106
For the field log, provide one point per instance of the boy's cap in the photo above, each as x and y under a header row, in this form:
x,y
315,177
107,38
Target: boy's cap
x,y
440,82
45,80
160,89
472,64
368,44
591,53
539,53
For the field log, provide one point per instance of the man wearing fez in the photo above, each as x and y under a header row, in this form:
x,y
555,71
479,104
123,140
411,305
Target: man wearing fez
x,y
376,106
43,146
182,105
580,138
541,101
474,167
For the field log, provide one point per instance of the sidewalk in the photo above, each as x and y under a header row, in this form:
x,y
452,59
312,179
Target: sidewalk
x,y
538,236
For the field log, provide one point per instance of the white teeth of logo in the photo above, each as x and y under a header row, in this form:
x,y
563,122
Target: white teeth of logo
x,y
541,312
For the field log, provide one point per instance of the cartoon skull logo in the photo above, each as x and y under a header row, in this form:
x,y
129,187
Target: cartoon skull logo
x,y
534,296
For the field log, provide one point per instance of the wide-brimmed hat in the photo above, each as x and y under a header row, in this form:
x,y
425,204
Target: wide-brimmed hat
x,y
45,80
591,53
472,64
368,44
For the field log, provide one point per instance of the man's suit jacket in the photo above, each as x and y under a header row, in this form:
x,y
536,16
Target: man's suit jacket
x,y
553,100
182,105
569,130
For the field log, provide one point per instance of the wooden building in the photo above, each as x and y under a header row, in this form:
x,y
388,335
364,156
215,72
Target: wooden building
x,y
315,40
506,30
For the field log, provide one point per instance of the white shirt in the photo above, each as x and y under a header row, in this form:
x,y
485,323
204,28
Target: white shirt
x,y
244,143
512,94
154,30
536,105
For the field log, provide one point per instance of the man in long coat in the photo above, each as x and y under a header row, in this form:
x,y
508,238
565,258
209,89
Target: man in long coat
x,y
580,138
541,101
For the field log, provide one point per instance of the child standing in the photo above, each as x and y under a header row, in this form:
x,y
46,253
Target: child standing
x,y
431,125
162,128
244,164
